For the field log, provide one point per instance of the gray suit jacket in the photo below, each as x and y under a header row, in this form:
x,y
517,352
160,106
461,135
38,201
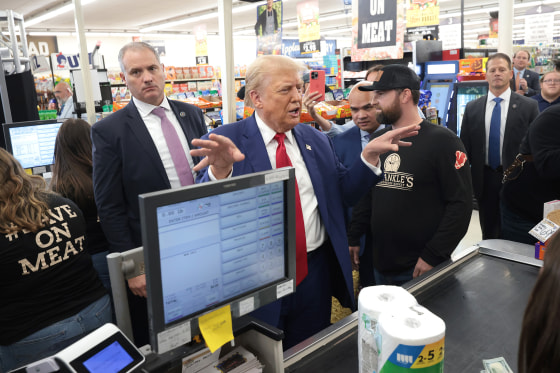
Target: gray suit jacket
x,y
521,112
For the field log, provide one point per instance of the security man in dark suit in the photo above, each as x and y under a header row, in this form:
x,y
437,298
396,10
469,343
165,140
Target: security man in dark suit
x,y
141,148
492,129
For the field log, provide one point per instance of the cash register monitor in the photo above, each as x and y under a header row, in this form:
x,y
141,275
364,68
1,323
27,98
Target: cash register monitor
x,y
32,143
213,244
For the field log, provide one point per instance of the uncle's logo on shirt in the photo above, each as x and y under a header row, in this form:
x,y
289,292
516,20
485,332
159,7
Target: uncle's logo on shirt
x,y
392,177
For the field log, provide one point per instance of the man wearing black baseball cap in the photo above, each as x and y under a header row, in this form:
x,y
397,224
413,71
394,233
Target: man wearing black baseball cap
x,y
420,211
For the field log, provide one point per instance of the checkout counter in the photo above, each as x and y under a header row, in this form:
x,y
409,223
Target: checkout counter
x,y
481,295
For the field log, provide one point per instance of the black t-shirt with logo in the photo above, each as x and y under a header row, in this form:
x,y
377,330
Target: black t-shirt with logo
x,y
46,276
422,207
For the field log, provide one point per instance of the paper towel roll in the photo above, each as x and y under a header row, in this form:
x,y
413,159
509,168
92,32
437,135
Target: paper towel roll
x,y
372,301
411,339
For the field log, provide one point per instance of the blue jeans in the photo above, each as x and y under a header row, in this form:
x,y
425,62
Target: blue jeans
x,y
99,261
397,280
54,338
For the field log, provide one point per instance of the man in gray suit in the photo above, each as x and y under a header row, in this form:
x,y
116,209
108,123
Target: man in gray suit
x,y
525,82
492,129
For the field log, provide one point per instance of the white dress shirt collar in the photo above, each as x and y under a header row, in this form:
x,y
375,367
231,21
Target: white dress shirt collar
x,y
505,95
145,109
268,133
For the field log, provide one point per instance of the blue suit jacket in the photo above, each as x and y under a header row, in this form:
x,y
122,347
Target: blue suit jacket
x,y
126,164
335,186
348,146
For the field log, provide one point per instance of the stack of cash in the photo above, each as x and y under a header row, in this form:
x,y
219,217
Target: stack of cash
x,y
496,365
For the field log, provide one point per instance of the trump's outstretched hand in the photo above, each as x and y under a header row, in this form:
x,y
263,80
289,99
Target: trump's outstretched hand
x,y
220,154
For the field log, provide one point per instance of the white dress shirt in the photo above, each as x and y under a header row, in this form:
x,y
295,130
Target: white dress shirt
x,y
314,230
67,110
490,104
315,233
153,124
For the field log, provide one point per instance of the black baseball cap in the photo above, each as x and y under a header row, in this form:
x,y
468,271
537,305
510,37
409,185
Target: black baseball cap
x,y
393,77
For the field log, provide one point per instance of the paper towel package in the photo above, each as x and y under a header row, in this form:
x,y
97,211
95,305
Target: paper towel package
x,y
411,340
372,301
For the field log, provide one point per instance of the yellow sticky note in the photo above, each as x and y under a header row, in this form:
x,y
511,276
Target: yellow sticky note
x,y
216,328
28,171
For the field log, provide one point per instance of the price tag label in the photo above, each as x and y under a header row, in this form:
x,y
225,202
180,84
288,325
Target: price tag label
x,y
544,230
307,47
202,60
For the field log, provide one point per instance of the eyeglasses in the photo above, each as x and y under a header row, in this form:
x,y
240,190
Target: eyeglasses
x,y
550,81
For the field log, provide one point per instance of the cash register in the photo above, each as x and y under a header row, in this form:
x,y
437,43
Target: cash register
x,y
105,350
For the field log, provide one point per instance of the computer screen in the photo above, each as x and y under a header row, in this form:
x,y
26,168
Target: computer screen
x,y
441,92
32,143
208,245
463,93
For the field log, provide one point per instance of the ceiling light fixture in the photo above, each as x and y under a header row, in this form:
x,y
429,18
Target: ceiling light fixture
x,y
184,21
53,13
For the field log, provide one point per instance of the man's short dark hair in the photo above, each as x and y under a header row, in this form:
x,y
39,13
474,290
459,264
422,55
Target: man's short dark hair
x,y
374,69
503,56
414,92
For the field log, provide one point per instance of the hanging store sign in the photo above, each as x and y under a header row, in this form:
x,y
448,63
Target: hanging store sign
x,y
41,45
422,33
159,46
539,22
309,30
61,61
290,48
268,28
422,13
377,30
201,44
450,33
377,20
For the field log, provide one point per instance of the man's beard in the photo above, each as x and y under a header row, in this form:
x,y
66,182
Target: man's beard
x,y
391,114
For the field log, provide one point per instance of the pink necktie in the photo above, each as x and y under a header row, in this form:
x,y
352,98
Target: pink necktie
x,y
175,148
282,160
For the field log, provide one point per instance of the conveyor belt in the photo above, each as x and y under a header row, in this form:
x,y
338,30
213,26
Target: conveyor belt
x,y
481,298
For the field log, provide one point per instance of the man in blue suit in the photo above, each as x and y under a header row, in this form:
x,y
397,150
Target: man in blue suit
x,y
273,84
348,146
131,156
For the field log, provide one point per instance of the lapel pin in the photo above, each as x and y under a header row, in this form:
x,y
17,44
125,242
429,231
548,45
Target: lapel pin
x,y
182,114
308,147
514,106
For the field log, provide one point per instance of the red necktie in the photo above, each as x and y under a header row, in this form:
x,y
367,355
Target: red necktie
x,y
178,155
282,160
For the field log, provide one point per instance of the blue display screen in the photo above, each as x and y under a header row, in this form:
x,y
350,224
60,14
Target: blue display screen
x,y
33,146
112,359
440,94
215,248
